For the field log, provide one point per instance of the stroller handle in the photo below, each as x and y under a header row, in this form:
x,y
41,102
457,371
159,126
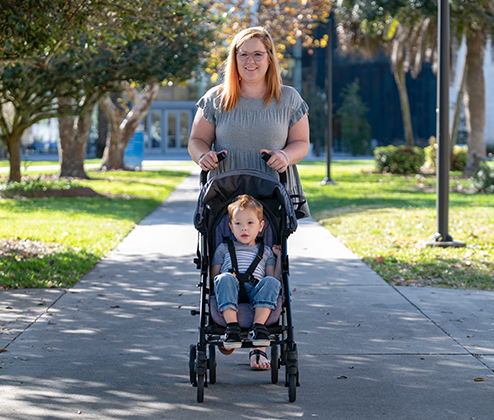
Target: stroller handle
x,y
221,156
266,156
204,174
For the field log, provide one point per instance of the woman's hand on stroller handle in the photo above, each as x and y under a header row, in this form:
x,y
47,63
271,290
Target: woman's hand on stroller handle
x,y
277,160
209,161
268,155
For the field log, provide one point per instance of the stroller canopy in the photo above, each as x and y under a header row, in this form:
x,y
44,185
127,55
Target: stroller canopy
x,y
223,188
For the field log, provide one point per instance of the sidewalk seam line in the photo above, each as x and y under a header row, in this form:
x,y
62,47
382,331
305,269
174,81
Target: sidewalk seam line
x,y
64,291
475,355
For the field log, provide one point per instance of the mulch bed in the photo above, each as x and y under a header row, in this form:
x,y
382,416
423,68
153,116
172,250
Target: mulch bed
x,y
71,193
25,248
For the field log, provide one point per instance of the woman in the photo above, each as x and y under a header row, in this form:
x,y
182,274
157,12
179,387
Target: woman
x,y
249,113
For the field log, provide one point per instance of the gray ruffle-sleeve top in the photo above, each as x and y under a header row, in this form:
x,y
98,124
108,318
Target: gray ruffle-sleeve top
x,y
252,126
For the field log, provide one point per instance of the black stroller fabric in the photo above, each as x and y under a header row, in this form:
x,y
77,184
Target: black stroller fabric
x,y
222,189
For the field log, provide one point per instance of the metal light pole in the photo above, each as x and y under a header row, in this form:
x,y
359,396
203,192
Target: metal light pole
x,y
329,98
442,237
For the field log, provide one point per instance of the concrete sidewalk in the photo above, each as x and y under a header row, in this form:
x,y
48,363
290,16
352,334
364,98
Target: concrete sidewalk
x,y
116,345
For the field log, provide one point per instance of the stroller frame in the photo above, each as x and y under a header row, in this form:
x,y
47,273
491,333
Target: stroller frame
x,y
202,356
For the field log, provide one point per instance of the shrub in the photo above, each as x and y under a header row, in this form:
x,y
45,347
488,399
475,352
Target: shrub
x,y
399,160
458,157
431,153
382,158
483,180
31,186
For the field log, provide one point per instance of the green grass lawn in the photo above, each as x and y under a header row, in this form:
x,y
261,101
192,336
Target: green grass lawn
x,y
386,220
25,164
52,242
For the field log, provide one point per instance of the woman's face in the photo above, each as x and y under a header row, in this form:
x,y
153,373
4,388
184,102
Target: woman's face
x,y
250,70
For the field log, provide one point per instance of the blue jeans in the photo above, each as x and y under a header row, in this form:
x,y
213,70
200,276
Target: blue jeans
x,y
263,295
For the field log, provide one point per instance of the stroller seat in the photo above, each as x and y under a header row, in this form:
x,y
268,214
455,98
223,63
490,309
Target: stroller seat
x,y
245,314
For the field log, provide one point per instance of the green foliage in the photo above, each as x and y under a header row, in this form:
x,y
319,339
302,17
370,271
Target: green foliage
x,y
12,189
399,160
430,153
59,268
355,128
483,180
386,219
92,26
52,242
91,48
458,157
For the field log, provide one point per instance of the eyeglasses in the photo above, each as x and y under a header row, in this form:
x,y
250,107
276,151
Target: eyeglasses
x,y
256,55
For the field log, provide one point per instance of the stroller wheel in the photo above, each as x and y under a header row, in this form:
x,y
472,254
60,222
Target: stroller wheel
x,y
291,378
275,365
212,364
292,387
201,372
201,382
192,369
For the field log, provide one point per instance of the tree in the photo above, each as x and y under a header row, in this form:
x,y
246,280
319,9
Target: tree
x,y
42,74
100,45
35,31
475,20
354,126
403,29
171,55
412,23
289,22
284,21
122,124
29,94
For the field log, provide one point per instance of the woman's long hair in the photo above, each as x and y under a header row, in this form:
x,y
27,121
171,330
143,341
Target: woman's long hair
x,y
230,91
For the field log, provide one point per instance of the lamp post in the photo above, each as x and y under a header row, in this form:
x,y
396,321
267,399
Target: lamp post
x,y
442,238
329,98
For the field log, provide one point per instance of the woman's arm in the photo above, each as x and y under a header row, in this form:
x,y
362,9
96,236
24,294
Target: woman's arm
x,y
297,146
202,136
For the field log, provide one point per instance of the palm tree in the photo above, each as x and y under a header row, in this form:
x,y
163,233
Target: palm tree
x,y
475,20
405,33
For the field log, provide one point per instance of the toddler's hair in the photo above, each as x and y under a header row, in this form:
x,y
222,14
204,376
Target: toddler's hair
x,y
245,202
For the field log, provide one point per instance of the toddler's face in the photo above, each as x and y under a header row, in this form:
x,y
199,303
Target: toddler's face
x,y
245,226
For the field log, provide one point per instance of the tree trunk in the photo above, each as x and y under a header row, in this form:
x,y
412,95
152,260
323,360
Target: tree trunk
x,y
455,123
74,133
114,117
400,78
14,149
121,131
102,133
475,100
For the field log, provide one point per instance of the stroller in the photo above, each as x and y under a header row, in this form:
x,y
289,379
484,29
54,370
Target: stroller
x,y
211,220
